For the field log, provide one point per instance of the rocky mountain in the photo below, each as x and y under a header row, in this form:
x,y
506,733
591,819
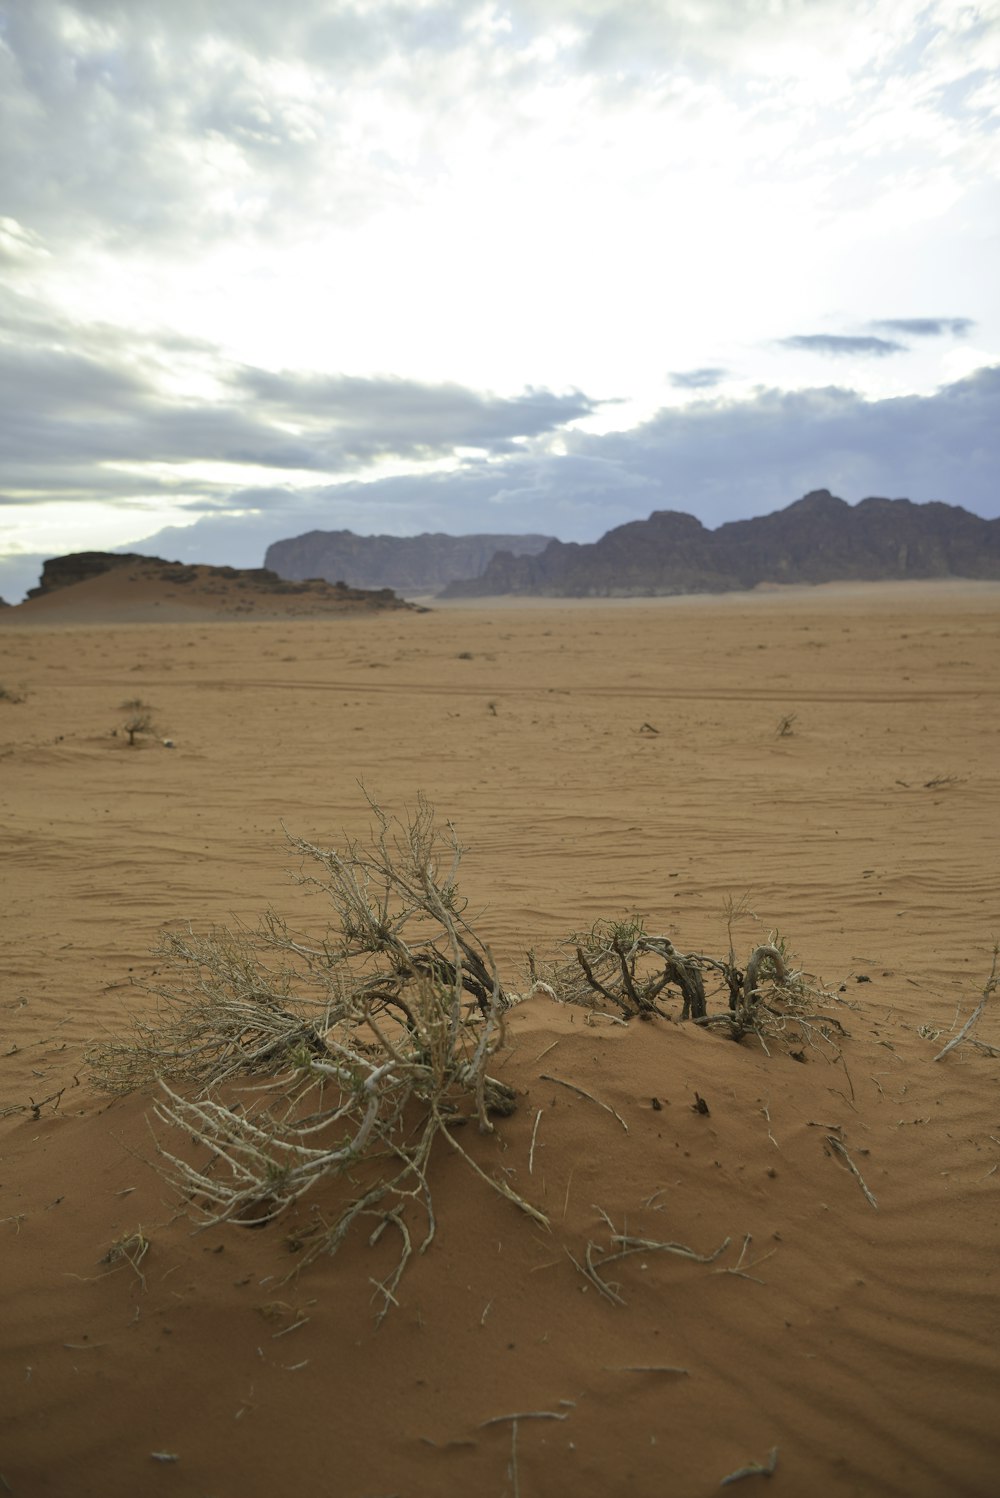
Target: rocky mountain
x,y
817,539
409,564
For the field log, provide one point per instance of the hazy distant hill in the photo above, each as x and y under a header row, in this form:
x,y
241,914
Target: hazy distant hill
x,y
818,539
409,564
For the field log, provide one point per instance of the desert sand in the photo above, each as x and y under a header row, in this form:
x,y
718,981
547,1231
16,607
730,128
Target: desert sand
x,y
596,758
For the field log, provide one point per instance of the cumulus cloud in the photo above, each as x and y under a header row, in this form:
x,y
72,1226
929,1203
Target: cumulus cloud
x,y
842,344
152,123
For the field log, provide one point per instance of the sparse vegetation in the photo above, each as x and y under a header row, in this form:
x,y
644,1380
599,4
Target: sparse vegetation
x,y
8,694
369,1044
621,965
965,1034
139,719
375,1034
785,727
131,1249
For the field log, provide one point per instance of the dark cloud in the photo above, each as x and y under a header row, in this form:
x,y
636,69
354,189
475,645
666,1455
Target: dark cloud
x,y
410,414
728,459
837,344
925,327
697,379
76,400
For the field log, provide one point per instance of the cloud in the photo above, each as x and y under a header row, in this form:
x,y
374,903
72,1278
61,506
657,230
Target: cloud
x,y
718,459
697,379
320,237
180,124
726,459
407,415
842,344
98,413
926,327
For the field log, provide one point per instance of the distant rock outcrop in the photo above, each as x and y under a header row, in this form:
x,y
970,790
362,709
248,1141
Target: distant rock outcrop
x,y
818,539
236,589
63,572
409,564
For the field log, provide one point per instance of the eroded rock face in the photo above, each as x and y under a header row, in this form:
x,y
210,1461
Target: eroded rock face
x,y
817,539
408,564
63,572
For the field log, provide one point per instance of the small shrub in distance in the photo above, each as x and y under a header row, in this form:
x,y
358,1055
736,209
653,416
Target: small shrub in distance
x,y
139,719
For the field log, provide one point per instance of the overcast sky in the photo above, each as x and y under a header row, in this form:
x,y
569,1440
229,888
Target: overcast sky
x,y
544,265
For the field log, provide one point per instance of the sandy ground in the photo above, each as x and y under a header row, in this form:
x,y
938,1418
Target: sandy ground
x,y
861,1341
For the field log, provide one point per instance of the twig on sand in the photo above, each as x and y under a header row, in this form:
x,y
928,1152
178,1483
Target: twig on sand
x,y
739,1268
649,1368
514,1475
525,1415
296,1324
520,1415
588,1095
753,1469
963,1034
841,1150
131,1249
630,1245
534,1134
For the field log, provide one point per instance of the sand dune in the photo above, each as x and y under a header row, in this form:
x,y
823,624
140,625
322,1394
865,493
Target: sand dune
x,y
596,758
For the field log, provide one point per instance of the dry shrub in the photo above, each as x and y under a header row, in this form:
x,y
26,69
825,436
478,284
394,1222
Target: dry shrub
x,y
291,1059
618,965
395,1012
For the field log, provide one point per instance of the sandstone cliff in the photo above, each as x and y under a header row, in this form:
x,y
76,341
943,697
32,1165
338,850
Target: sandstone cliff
x,y
408,564
818,539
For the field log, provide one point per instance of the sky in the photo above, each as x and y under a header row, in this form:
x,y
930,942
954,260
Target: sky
x,y
548,265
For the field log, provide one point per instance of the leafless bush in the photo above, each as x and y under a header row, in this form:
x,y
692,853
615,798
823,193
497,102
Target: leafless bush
x,y
619,963
139,719
292,1059
374,1035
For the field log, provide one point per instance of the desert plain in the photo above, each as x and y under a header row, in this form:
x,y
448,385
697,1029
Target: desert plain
x,y
826,760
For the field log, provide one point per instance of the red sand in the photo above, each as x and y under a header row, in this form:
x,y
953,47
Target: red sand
x,y
860,1342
